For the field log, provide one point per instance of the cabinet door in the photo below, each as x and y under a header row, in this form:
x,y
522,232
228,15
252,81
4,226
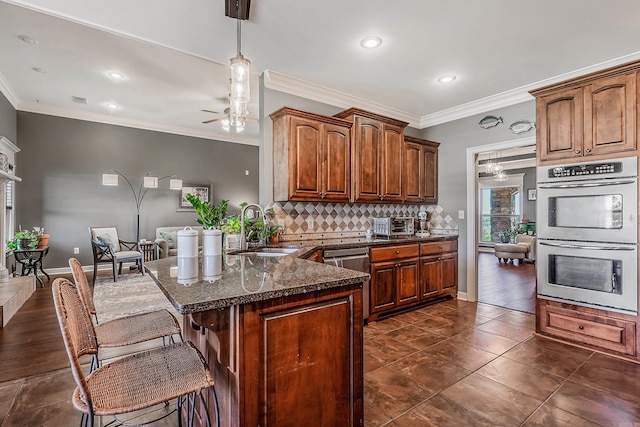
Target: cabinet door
x,y
367,147
449,272
407,281
413,173
336,161
383,286
610,115
430,271
429,179
305,159
392,163
560,125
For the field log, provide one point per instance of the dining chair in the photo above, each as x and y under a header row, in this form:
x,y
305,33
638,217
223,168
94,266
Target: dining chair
x,y
124,330
135,382
107,247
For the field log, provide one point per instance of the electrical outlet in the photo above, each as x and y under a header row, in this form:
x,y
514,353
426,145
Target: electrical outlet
x,y
76,250
460,214
310,223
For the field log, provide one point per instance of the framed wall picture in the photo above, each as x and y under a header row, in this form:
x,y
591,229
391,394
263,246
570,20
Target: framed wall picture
x,y
531,194
200,190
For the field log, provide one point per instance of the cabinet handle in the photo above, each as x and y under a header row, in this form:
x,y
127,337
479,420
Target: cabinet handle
x,y
581,327
588,150
577,151
397,252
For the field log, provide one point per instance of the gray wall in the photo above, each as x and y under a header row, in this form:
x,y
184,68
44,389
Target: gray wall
x,y
61,163
455,137
8,127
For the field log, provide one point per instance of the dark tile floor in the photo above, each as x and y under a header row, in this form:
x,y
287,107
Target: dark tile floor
x,y
467,364
451,364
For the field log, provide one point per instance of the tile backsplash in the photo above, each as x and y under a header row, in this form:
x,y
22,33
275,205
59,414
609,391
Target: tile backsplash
x,y
318,220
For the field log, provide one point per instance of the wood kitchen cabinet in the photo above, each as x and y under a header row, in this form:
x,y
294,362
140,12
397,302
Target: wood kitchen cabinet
x,y
591,116
377,156
438,269
312,156
394,278
420,181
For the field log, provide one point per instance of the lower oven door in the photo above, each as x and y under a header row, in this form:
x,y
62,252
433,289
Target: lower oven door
x,y
598,275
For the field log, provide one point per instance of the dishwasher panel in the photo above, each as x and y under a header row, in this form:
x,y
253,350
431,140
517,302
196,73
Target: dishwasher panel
x,y
353,259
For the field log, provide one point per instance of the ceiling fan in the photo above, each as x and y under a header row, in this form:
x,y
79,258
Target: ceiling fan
x,y
225,119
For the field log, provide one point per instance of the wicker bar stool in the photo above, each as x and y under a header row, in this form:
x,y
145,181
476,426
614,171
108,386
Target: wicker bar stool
x,y
135,382
127,330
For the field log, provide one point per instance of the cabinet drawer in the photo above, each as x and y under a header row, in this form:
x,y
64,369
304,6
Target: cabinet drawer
x,y
436,248
389,253
596,330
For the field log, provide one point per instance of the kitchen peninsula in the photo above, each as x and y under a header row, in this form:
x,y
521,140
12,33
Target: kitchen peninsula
x,y
282,336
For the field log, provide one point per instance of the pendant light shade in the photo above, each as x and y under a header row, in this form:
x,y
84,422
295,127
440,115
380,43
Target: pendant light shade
x,y
240,72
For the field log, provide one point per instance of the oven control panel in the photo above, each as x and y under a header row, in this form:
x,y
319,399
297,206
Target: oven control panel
x,y
586,169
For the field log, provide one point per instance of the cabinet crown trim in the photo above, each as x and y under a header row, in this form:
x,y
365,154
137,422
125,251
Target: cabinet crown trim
x,y
588,78
288,111
421,141
362,113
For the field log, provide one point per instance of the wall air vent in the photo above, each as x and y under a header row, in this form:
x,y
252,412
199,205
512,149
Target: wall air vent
x,y
79,100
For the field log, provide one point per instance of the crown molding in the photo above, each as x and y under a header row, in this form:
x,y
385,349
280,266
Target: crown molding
x,y
101,118
6,90
294,86
517,95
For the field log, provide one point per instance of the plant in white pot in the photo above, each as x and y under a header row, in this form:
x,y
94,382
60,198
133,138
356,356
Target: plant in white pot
x,y
210,217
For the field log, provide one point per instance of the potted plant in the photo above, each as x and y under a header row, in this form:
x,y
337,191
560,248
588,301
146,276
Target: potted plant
x,y
23,240
210,215
43,239
272,233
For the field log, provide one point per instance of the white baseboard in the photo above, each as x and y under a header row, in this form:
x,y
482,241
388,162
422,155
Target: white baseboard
x,y
85,268
462,296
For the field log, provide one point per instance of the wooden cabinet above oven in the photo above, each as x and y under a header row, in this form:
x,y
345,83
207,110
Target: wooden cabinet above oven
x,y
589,118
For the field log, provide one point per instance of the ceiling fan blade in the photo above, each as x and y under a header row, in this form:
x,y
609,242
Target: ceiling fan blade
x,y
209,111
206,122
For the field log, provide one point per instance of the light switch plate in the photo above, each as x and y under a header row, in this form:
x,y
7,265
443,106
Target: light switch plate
x,y
461,214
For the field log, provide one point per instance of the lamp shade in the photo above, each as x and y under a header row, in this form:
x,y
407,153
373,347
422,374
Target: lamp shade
x,y
150,182
240,72
110,179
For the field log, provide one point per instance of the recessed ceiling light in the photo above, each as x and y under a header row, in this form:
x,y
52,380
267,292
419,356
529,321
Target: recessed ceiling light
x,y
112,106
115,75
371,42
39,70
27,39
446,79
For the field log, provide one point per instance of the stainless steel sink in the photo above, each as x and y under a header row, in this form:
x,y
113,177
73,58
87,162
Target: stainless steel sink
x,y
269,252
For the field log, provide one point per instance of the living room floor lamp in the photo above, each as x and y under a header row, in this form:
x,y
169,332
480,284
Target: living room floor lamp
x,y
148,181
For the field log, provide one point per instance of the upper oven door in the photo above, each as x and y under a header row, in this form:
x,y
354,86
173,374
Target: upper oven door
x,y
601,210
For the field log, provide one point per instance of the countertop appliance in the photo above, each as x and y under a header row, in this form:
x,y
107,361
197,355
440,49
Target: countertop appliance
x,y
353,259
588,234
394,226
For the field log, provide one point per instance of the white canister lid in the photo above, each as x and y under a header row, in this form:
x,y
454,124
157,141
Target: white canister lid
x,y
187,232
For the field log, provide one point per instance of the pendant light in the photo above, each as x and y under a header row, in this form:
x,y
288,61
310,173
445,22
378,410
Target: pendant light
x,y
239,93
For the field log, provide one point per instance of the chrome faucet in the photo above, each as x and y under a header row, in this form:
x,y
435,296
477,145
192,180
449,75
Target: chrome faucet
x,y
243,238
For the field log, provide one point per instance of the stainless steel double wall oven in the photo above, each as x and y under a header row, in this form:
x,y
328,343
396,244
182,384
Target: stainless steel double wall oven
x,y
587,230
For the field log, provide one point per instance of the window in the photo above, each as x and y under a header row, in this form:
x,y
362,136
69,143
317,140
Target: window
x,y
500,207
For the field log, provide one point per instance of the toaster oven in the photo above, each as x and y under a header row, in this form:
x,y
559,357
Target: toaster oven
x,y
393,226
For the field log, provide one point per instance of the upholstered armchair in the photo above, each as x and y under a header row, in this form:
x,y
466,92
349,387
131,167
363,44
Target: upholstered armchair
x,y
108,248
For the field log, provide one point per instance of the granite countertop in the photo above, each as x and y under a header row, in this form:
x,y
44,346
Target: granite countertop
x,y
227,280
308,246
234,278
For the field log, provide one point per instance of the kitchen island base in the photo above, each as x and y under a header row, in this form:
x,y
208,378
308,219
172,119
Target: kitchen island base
x,y
288,361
